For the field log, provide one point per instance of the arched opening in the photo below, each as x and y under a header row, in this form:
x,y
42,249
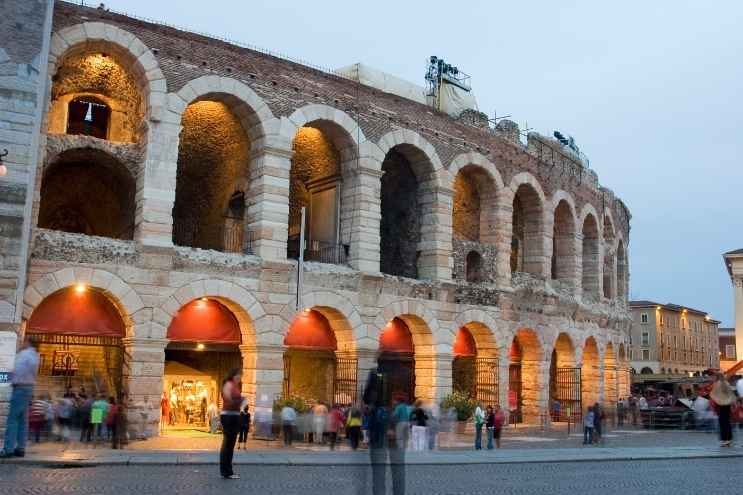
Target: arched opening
x,y
213,163
610,269
87,191
646,371
89,116
404,195
662,371
94,93
611,377
314,367
473,267
621,272
624,379
563,244
523,377
590,374
203,336
78,332
316,180
590,282
565,381
475,363
396,362
526,240
473,225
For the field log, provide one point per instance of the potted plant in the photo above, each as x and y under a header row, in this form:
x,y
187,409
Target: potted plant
x,y
464,406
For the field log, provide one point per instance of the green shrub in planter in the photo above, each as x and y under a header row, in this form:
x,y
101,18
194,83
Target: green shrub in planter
x,y
299,404
462,403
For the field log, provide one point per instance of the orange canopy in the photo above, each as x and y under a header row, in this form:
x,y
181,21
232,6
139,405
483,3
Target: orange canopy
x,y
71,312
396,337
311,330
204,321
464,344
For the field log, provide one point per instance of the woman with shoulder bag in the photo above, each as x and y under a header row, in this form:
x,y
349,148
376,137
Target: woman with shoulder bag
x,y
723,397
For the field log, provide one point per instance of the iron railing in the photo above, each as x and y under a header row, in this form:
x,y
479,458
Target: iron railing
x,y
320,252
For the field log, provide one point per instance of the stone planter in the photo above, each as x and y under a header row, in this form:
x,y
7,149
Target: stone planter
x,y
461,427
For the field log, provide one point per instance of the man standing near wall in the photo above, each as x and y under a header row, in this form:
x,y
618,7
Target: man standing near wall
x,y
24,378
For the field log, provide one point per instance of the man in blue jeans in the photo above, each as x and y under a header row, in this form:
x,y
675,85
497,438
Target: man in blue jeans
x,y
23,380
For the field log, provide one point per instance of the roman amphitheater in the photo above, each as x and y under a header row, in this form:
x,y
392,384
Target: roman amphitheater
x,y
164,235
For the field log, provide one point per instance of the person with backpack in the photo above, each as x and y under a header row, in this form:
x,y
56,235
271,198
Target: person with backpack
x,y
479,417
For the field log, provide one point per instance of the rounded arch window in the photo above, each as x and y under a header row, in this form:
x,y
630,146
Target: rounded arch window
x,y
88,116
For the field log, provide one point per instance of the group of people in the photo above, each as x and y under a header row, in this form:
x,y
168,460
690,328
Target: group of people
x,y
492,419
593,424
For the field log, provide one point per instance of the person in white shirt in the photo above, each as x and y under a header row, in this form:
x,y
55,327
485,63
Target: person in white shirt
x,y
739,388
479,417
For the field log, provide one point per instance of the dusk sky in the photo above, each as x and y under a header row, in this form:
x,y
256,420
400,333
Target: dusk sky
x,y
651,91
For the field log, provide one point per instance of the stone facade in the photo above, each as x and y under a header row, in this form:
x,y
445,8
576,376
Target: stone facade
x,y
399,161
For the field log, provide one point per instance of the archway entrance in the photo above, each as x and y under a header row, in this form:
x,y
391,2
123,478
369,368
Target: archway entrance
x,y
396,362
590,374
565,380
78,332
309,361
523,377
610,377
475,364
204,338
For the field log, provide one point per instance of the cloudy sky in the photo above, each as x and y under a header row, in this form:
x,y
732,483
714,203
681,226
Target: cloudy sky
x,y
651,91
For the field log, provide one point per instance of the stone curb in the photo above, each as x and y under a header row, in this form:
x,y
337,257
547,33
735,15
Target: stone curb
x,y
75,463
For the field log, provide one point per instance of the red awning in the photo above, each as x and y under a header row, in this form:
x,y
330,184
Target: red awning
x,y
396,337
311,330
69,312
464,344
204,321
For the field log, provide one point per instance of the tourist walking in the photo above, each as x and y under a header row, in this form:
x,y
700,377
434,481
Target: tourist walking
x,y
499,421
419,420
479,418
213,413
588,422
111,421
598,416
98,413
401,417
335,421
242,438
722,396
37,417
23,380
620,412
230,419
288,424
164,411
353,427
319,420
489,426
86,427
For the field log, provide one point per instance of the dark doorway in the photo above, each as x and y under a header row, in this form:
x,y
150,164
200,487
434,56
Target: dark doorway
x,y
398,376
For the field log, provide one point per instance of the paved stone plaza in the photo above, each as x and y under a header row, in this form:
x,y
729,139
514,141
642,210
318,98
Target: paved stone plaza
x,y
659,477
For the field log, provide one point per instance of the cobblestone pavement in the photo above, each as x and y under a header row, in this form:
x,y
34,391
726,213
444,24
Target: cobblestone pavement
x,y
666,477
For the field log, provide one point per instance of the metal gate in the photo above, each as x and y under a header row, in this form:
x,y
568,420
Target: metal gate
x,y
566,384
345,382
486,388
514,393
611,385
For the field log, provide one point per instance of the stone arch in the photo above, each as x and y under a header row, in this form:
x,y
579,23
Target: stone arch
x,y
246,308
527,202
611,376
93,36
425,333
122,295
622,269
526,357
590,373
87,191
591,253
415,238
489,336
563,379
325,157
254,114
564,248
476,184
609,256
344,319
